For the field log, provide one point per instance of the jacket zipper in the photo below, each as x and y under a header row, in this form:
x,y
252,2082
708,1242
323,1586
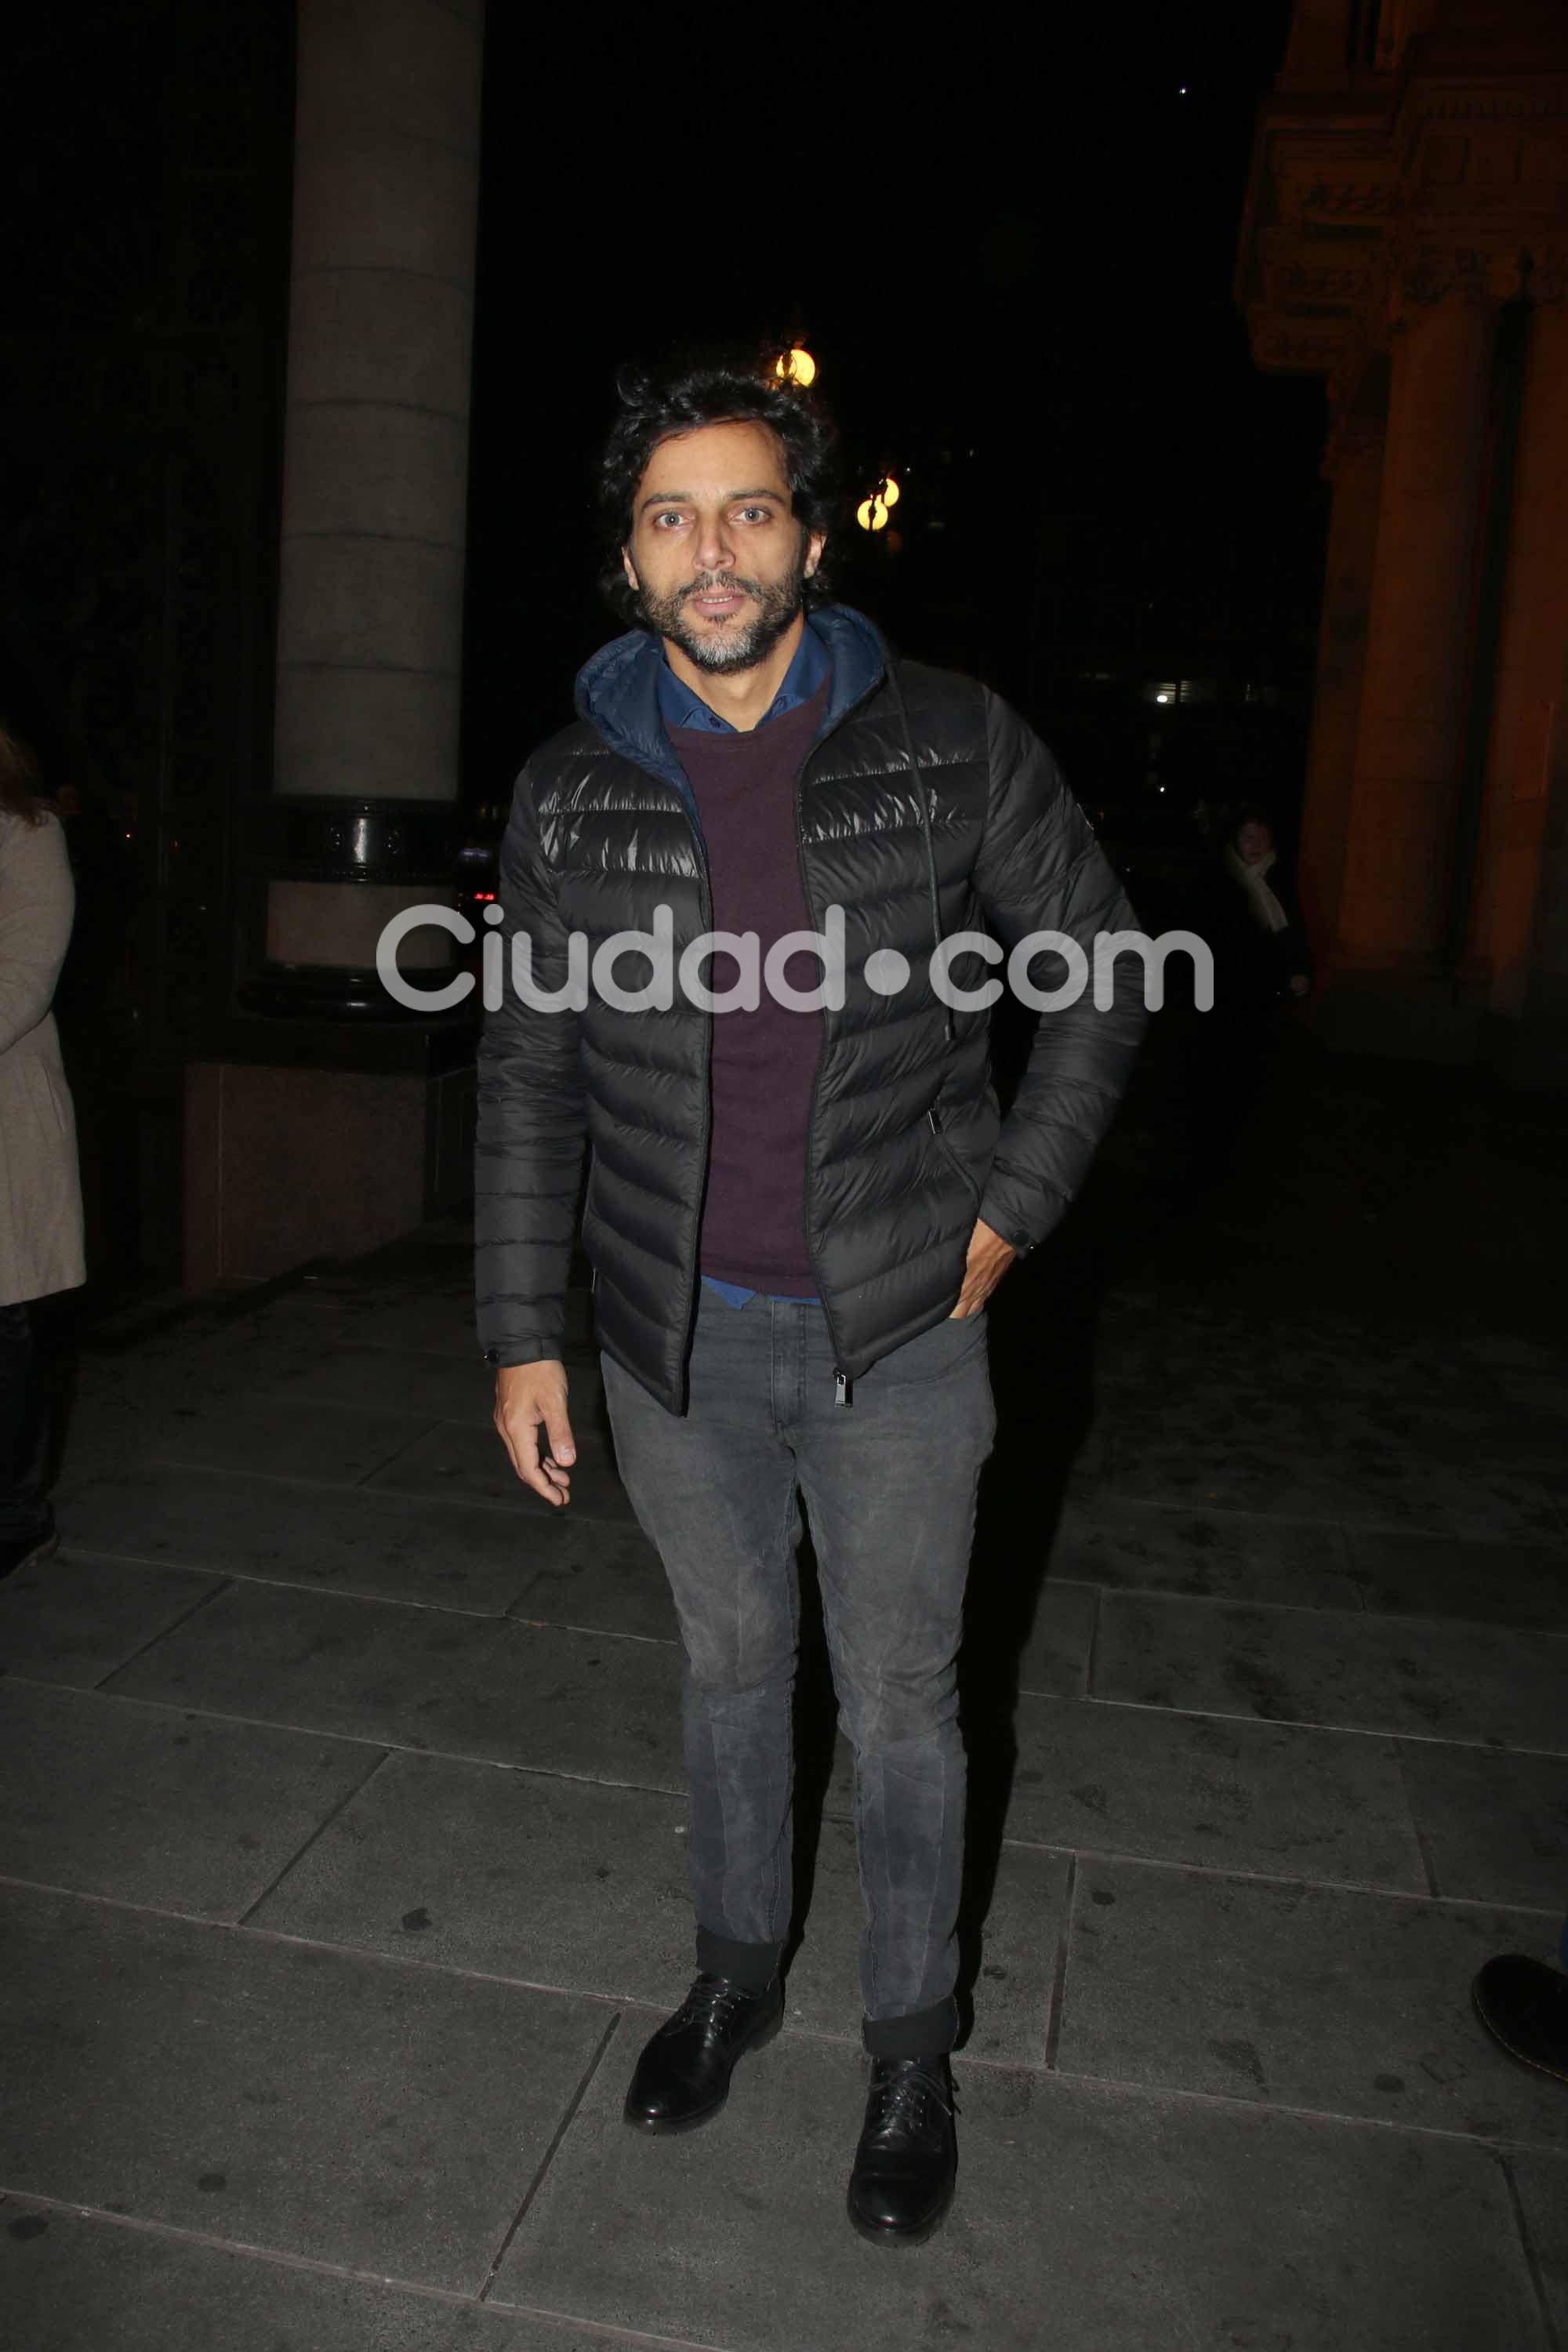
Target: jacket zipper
x,y
843,1386
705,900
952,1157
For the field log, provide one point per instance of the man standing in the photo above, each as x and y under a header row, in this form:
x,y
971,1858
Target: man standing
x,y
797,1205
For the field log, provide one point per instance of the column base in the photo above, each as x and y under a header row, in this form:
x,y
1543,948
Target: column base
x,y
1407,1016
321,992
284,1165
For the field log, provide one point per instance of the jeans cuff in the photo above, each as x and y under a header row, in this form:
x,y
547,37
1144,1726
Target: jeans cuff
x,y
754,1965
924,2033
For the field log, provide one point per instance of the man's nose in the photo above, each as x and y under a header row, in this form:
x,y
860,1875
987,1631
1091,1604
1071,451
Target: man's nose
x,y
713,549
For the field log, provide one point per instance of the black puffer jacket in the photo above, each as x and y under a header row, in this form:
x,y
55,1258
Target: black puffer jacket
x,y
906,1147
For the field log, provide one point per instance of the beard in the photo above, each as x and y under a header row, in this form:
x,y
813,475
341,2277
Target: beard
x,y
739,647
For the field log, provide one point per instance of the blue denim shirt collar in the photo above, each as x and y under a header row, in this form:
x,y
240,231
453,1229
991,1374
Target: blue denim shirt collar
x,y
680,706
617,688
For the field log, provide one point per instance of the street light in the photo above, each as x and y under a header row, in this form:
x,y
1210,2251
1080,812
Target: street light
x,y
872,514
795,366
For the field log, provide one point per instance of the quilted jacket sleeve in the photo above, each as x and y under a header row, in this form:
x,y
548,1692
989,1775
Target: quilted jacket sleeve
x,y
532,1126
1041,869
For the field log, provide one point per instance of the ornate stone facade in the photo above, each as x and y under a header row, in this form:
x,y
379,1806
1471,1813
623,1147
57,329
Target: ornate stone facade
x,y
1407,238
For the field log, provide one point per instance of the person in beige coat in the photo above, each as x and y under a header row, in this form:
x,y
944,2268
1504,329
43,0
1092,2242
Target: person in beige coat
x,y
40,1195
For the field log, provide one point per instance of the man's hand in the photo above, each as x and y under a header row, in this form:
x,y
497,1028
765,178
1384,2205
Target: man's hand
x,y
529,1395
988,1260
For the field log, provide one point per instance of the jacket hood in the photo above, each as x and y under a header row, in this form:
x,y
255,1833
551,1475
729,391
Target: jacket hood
x,y
617,690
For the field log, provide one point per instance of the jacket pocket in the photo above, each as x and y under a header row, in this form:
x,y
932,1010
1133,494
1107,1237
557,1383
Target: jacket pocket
x,y
952,1160
934,1354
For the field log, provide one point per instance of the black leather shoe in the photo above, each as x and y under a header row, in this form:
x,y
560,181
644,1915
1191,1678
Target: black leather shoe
x,y
683,2074
1524,2005
907,2157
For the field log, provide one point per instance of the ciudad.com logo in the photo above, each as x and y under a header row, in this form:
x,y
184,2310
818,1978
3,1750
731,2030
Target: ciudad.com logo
x,y
591,970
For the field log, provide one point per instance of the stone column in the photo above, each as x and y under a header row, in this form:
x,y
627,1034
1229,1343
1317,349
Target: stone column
x,y
1532,650
331,1120
375,475
1354,466
1393,903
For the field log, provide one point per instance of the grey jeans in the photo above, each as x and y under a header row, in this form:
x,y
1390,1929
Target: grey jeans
x,y
889,1485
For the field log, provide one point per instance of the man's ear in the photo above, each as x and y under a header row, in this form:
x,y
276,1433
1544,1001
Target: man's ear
x,y
813,547
631,580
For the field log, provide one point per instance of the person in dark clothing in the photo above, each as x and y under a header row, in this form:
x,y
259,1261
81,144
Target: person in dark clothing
x,y
800,1197
1251,921
1261,951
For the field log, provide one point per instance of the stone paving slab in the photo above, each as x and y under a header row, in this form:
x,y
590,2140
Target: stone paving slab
x,y
1502,1433
1483,1583
568,1884
572,1884
1191,1789
120,1394
1348,2004
387,2118
1475,1685
1209,1420
1495,1826
568,1702
1219,1555
1369,1487
1018,1948
107,1796
393,1379
74,1620
394,1547
418,1320
73,2282
1053,1661
473,1466
398,1380
414,1323
1543,2184
283,1438
1089,2218
594,1573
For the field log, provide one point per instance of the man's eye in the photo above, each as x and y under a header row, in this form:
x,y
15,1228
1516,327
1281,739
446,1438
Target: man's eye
x,y
761,513
659,521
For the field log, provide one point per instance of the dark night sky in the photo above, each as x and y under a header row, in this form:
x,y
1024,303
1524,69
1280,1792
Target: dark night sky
x,y
1026,252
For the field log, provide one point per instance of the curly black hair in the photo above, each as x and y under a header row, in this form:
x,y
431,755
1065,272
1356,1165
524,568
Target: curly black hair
x,y
707,387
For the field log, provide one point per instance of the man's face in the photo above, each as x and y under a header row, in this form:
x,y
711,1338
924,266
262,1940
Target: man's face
x,y
1254,842
717,558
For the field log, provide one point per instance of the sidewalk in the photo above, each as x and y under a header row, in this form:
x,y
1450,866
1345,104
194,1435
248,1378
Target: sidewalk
x,y
341,1841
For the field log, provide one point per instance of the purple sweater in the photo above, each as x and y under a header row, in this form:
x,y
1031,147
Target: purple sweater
x,y
764,1063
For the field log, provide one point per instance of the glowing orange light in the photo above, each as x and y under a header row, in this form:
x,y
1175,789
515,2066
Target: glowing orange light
x,y
795,366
